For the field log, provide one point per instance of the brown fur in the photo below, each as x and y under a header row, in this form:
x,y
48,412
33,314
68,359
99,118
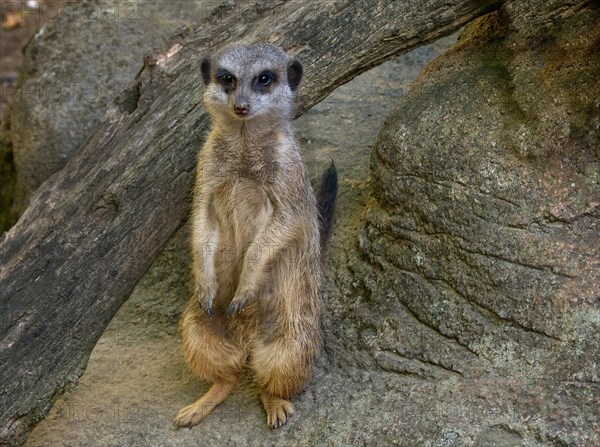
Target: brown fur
x,y
255,244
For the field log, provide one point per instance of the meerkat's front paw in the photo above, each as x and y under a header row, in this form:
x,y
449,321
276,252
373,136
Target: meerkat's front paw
x,y
239,300
206,296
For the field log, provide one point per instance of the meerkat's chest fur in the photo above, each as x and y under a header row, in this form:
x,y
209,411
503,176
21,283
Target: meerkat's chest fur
x,y
248,178
246,159
241,208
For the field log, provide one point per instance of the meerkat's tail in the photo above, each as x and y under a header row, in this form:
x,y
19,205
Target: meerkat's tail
x,y
326,198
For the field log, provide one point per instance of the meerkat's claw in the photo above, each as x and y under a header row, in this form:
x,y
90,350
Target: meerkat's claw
x,y
235,306
206,298
278,412
238,302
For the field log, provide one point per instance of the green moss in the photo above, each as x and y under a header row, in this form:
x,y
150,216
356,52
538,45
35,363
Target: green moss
x,y
495,64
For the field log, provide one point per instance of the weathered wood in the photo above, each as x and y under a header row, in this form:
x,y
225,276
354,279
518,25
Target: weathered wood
x,y
92,230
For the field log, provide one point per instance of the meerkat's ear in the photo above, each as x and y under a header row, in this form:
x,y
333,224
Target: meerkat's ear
x,y
294,72
205,69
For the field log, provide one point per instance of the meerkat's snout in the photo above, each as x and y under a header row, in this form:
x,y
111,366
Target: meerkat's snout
x,y
241,109
240,101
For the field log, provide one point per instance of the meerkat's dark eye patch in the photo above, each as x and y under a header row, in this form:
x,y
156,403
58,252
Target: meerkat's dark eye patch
x,y
263,81
227,80
266,77
225,77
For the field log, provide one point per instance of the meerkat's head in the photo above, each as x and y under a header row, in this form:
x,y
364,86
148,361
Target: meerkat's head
x,y
243,82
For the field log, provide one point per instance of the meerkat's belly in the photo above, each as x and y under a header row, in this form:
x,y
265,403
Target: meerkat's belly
x,y
243,209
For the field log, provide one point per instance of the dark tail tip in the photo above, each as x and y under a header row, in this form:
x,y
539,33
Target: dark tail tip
x,y
326,199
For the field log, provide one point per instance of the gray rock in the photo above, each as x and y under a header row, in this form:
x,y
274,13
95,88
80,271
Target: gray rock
x,y
480,250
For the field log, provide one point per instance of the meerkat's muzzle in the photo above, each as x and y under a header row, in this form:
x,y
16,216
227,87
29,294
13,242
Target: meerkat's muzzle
x,y
241,109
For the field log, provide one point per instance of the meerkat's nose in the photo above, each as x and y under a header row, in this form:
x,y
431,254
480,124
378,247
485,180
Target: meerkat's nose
x,y
241,109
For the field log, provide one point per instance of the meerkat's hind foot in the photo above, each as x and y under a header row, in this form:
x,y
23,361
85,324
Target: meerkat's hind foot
x,y
278,410
194,414
191,415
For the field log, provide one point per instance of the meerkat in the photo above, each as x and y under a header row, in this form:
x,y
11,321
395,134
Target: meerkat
x,y
258,237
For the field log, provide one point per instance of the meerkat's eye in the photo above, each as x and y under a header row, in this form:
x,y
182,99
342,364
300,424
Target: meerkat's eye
x,y
265,78
225,77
